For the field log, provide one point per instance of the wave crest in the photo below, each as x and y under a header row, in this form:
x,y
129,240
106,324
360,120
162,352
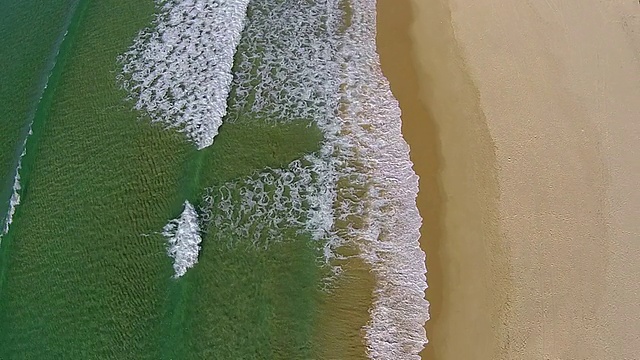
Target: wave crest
x,y
183,240
179,72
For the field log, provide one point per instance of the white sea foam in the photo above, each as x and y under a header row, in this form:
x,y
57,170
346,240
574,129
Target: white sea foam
x,y
261,207
183,239
317,60
14,201
179,72
396,329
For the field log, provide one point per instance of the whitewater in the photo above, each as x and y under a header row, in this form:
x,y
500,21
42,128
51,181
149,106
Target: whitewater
x,y
179,72
318,61
16,188
313,61
14,201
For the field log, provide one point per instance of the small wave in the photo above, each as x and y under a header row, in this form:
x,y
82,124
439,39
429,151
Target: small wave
x,y
183,239
14,201
179,72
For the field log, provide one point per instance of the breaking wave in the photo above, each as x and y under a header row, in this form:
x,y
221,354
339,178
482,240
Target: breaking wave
x,y
14,201
183,240
297,60
262,207
317,60
179,72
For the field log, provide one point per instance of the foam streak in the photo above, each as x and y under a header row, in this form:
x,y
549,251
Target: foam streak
x,y
14,201
183,239
179,73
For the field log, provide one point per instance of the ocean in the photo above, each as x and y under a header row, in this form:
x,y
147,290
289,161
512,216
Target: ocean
x,y
221,179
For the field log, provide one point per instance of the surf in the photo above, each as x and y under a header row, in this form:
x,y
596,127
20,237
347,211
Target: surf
x,y
178,72
318,61
310,61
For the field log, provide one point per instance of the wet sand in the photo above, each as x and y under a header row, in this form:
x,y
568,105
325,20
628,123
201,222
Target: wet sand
x,y
453,155
524,127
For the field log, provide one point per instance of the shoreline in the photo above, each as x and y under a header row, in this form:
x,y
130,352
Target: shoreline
x,y
529,122
453,154
422,137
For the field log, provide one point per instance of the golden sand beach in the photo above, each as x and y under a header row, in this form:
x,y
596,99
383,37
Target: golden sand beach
x,y
524,123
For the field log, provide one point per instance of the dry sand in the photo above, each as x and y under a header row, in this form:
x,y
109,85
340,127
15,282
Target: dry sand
x,y
527,136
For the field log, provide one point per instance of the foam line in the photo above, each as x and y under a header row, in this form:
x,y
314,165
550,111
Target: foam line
x,y
14,201
183,240
317,60
179,72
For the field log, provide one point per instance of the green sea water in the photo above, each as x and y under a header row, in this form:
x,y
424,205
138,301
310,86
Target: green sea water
x,y
30,32
83,271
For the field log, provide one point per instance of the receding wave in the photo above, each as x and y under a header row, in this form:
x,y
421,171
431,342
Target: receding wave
x,y
179,72
183,239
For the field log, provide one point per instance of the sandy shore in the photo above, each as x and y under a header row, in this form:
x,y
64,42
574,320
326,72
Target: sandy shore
x,y
524,122
453,154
